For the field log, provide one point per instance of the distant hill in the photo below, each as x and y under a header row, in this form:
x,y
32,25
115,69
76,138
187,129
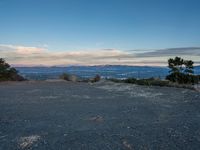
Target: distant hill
x,y
106,71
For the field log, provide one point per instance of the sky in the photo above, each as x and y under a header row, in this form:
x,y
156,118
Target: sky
x,y
99,32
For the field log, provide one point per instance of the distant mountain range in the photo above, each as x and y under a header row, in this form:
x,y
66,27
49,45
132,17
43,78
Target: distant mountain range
x,y
106,71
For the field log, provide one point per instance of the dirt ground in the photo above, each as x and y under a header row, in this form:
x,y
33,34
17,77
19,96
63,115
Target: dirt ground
x,y
58,115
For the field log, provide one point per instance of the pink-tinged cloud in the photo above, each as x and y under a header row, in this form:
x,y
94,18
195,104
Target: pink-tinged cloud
x,y
29,50
34,56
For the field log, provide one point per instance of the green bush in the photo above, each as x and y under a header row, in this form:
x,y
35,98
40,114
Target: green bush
x,y
115,80
130,80
64,76
152,82
182,78
8,73
97,78
158,83
69,77
143,82
147,82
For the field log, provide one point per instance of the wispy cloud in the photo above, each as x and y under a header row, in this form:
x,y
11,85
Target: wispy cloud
x,y
31,56
21,49
186,51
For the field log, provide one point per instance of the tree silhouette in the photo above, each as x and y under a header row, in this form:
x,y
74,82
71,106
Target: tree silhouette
x,y
189,67
7,72
181,71
176,65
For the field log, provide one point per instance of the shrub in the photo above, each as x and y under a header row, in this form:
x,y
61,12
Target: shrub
x,y
130,80
152,82
8,73
115,80
147,82
198,77
69,77
158,83
64,76
97,78
182,78
143,82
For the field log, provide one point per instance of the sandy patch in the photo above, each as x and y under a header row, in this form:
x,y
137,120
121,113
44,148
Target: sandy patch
x,y
132,90
34,91
145,94
81,96
28,141
127,145
48,97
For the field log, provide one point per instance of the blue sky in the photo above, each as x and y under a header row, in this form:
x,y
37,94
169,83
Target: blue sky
x,y
78,25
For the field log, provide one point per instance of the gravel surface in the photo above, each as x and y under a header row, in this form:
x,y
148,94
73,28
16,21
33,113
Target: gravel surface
x,y
57,115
